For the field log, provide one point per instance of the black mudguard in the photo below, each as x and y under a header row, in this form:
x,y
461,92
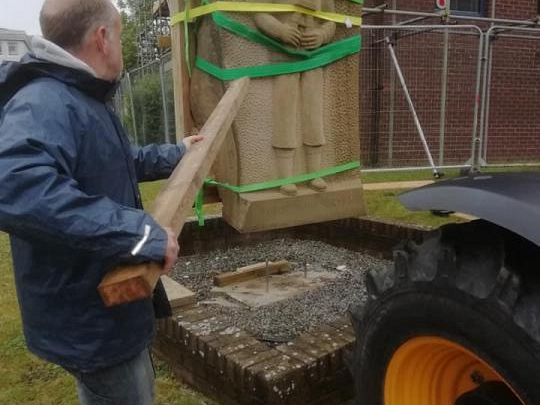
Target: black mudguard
x,y
510,200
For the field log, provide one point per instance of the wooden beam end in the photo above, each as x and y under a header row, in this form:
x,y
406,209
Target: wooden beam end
x,y
124,291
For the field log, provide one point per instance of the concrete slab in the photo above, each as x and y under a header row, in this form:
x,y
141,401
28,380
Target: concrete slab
x,y
253,293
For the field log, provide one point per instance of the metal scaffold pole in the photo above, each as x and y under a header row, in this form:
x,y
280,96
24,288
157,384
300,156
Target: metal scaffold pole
x,y
444,89
412,108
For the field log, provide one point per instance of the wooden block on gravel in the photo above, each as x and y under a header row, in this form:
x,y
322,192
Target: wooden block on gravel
x,y
179,296
250,272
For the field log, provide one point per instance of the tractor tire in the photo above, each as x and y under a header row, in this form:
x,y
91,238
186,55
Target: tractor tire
x,y
454,321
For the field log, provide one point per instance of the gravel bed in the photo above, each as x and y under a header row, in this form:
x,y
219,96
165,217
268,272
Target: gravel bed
x,y
283,320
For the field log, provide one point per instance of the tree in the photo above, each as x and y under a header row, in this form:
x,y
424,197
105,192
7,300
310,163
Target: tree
x,y
129,41
135,14
128,14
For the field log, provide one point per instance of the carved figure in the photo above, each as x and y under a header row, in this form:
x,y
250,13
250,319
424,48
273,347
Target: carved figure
x,y
298,95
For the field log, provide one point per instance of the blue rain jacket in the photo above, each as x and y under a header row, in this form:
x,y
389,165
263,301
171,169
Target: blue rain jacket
x,y
70,201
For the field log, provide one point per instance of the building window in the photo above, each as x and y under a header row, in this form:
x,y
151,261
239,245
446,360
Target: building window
x,y
473,7
13,48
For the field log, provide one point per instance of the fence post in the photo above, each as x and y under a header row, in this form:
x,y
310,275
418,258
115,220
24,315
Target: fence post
x,y
391,118
164,101
444,88
474,160
132,108
478,141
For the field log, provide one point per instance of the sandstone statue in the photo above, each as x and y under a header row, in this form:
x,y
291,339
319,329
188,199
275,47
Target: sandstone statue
x,y
289,124
298,96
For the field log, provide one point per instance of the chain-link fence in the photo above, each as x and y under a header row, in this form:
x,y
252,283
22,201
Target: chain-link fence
x,y
419,83
145,102
511,118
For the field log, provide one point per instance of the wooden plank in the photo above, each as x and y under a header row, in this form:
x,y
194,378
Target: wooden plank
x,y
179,296
175,200
181,85
250,272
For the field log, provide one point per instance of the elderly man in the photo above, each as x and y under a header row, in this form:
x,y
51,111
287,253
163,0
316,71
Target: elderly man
x,y
70,201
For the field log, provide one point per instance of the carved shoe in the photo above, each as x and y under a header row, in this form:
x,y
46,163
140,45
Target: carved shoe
x,y
289,189
318,184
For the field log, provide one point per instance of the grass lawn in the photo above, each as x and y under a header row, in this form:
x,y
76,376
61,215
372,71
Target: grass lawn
x,y
383,204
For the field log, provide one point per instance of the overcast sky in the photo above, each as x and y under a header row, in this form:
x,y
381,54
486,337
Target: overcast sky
x,y
21,15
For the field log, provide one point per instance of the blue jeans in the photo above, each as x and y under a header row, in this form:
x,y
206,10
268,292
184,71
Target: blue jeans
x,y
128,383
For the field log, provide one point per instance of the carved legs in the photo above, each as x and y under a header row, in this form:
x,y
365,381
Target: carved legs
x,y
285,165
313,159
311,84
298,96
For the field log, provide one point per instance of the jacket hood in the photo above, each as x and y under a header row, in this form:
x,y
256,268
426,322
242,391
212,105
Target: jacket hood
x,y
50,52
49,60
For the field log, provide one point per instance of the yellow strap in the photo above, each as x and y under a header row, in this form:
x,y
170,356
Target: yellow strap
x,y
264,8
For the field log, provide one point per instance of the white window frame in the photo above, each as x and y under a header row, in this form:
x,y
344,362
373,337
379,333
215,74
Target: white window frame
x,y
12,52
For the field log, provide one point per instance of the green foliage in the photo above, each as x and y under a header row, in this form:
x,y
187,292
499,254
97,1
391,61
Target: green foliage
x,y
132,11
129,41
133,6
148,108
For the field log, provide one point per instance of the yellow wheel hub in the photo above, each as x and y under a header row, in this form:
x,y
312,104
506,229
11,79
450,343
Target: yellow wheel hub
x,y
434,371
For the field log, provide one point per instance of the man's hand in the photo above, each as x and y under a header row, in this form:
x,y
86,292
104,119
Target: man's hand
x,y
171,253
290,35
312,38
190,140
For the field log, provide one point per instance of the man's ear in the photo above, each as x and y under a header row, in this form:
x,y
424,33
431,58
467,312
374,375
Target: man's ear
x,y
101,35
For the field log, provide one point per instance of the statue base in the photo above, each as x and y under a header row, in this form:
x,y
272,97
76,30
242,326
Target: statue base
x,y
271,209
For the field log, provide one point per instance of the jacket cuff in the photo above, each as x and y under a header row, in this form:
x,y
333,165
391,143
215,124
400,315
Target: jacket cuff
x,y
181,150
152,245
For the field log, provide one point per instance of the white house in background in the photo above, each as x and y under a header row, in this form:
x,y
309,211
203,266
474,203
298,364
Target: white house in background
x,y
13,44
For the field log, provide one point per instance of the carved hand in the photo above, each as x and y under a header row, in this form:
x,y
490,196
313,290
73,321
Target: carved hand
x,y
312,38
290,35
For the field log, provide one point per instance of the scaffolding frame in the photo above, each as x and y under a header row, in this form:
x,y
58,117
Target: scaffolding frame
x,y
484,68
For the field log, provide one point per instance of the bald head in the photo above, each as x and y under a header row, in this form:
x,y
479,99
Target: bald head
x,y
68,22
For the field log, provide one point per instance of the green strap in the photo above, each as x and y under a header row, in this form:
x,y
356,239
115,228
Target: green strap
x,y
250,188
348,46
244,31
301,178
199,204
313,59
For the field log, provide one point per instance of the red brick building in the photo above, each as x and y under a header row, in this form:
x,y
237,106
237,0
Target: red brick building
x,y
388,134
